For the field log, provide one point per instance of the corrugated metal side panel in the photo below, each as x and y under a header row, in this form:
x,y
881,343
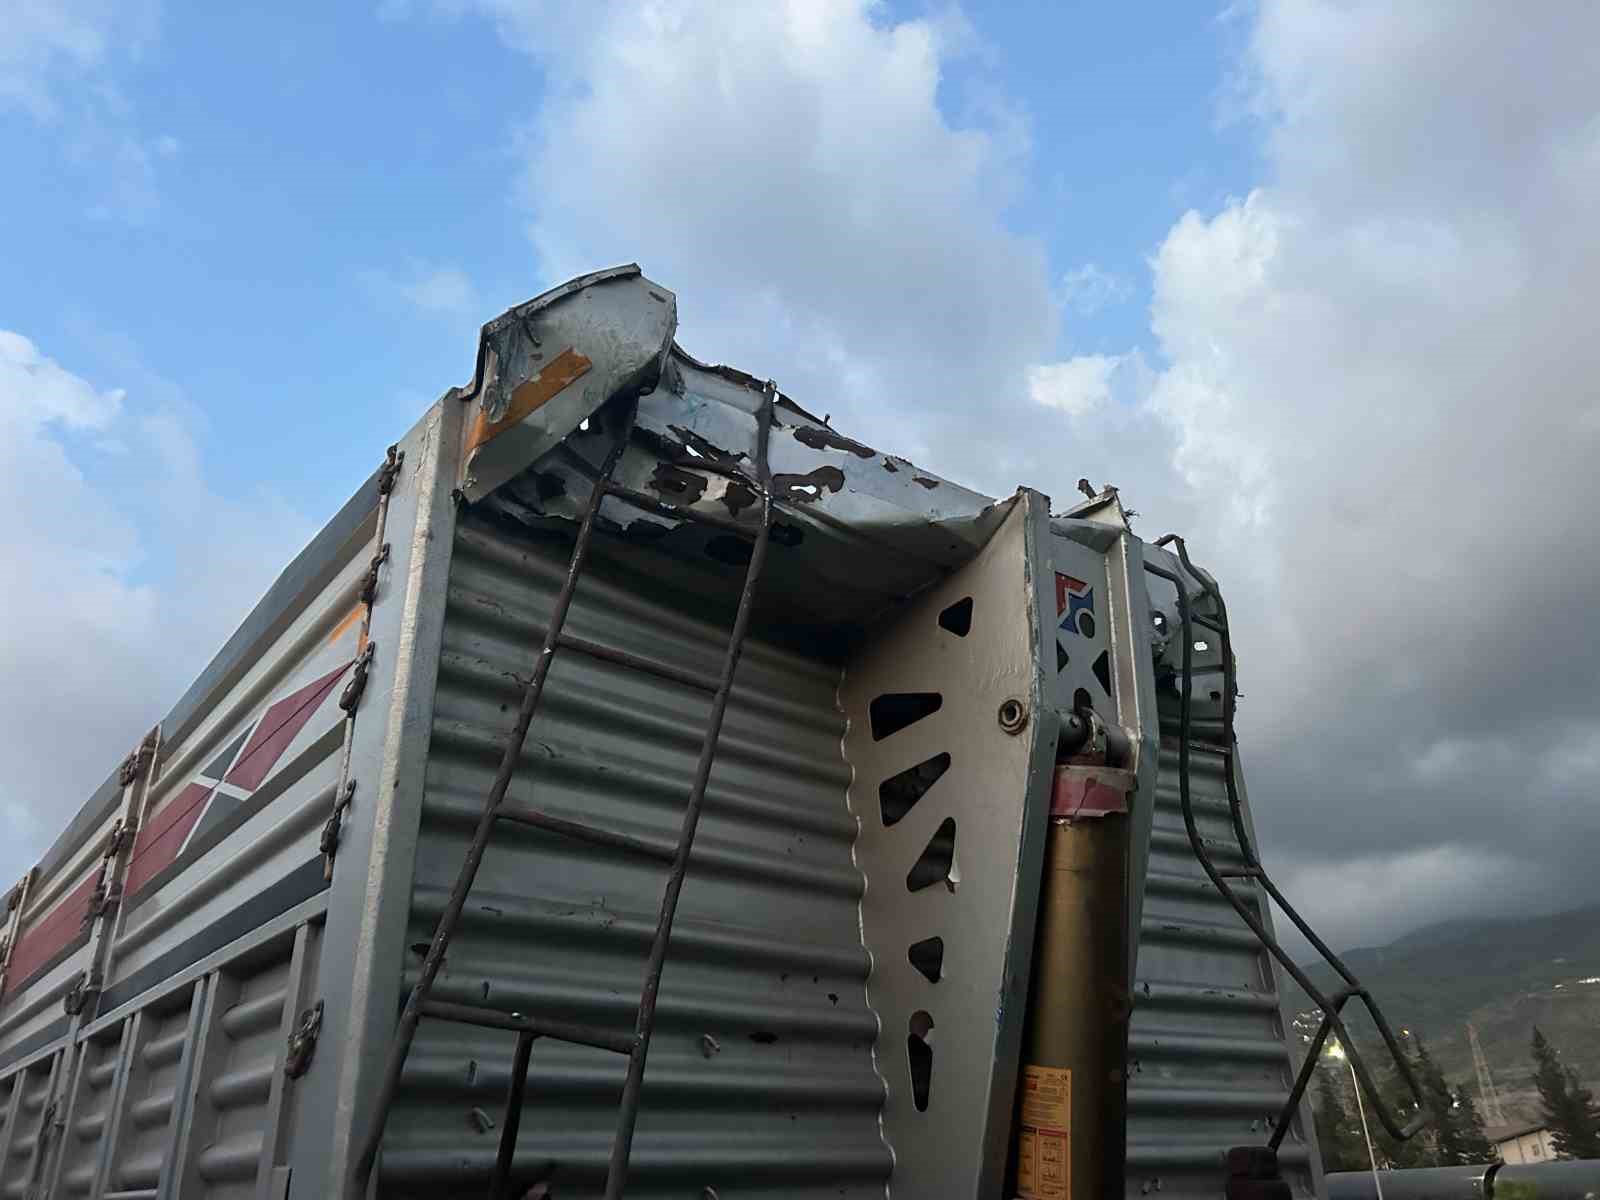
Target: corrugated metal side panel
x,y
236,1085
1209,1066
149,1104
760,1079
28,1117
91,1114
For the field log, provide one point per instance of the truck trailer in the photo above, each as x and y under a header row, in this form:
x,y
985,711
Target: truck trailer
x,y
639,784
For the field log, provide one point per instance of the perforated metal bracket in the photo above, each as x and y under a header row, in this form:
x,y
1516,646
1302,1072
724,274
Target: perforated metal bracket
x,y
951,742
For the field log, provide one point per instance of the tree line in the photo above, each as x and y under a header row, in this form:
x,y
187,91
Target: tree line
x,y
1456,1137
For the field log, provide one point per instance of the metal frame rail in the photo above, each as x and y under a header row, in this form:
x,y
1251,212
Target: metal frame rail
x,y
1331,1006
635,1046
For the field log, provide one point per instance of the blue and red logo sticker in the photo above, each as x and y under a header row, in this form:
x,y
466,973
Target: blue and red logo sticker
x,y
1075,618
1074,606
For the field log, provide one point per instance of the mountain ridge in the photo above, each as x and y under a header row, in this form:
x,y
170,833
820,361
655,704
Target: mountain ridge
x,y
1503,974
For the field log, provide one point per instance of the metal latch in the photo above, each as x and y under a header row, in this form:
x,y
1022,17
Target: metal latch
x,y
369,581
121,837
136,763
390,469
102,900
350,698
303,1042
80,991
334,827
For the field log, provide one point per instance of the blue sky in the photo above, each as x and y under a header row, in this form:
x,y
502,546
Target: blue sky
x,y
303,164
1311,281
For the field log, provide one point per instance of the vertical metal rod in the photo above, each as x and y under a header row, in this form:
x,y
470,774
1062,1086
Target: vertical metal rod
x,y
513,1118
1372,1157
622,1146
451,916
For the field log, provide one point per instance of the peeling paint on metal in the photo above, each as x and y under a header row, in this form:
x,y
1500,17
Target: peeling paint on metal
x,y
530,396
810,486
702,447
827,439
351,618
677,486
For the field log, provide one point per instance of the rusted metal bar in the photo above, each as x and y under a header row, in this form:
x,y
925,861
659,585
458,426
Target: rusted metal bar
x,y
451,916
585,833
1330,1006
622,1146
501,1180
561,1031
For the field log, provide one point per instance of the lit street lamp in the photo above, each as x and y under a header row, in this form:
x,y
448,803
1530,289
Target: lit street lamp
x,y
1335,1050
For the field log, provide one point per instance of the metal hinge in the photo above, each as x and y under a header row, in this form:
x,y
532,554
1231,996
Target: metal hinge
x,y
330,831
389,470
139,761
102,900
350,698
303,1042
80,991
369,582
122,834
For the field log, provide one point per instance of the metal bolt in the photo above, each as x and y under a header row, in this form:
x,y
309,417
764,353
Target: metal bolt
x,y
1013,715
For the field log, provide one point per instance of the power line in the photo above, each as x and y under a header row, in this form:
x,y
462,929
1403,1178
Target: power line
x,y
1488,1096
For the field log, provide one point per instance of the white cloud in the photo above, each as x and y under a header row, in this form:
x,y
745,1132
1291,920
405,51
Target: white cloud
x,y
126,573
1076,386
788,170
444,289
1089,288
60,61
434,289
1378,367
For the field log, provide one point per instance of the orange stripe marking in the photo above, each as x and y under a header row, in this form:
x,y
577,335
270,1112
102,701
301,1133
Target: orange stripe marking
x,y
531,396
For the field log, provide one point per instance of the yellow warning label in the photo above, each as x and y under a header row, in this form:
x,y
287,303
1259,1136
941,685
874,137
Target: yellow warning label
x,y
1044,1141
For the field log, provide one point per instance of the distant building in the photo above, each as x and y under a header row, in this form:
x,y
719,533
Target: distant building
x,y
1528,1142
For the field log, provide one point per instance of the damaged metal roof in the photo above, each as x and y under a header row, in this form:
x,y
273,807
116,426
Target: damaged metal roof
x,y
860,529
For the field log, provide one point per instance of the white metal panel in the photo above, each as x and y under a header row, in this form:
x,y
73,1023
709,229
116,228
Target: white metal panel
x,y
955,864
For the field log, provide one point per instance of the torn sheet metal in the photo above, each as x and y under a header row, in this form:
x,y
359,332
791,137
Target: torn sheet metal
x,y
857,529
546,365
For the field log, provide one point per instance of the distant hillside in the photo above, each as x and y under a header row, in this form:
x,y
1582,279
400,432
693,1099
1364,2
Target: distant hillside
x,y
1506,976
